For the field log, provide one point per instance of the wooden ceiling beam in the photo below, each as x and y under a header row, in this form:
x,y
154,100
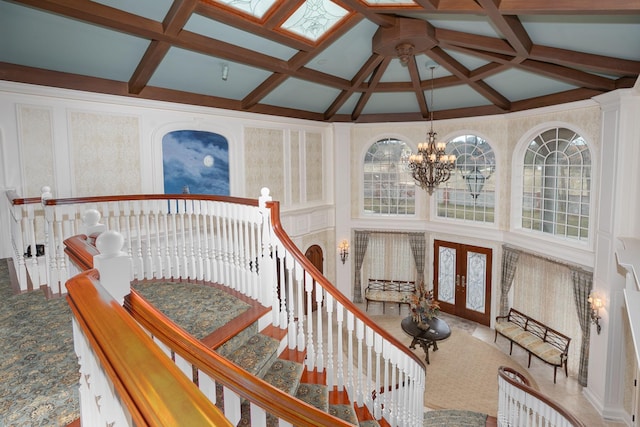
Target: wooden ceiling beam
x,y
597,63
510,27
174,21
365,71
373,81
457,69
573,7
474,41
367,12
417,88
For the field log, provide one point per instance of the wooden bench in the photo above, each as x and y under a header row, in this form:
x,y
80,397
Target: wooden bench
x,y
396,291
536,338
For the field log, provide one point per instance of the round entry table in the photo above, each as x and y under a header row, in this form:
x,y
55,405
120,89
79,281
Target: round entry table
x,y
425,338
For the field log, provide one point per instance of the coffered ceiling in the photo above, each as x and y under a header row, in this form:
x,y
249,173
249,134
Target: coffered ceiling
x,y
336,61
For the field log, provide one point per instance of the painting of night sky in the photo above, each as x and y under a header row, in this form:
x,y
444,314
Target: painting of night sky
x,y
195,162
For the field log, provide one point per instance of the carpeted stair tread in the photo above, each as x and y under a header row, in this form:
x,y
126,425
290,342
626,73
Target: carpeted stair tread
x,y
256,355
368,423
344,412
284,375
314,394
454,418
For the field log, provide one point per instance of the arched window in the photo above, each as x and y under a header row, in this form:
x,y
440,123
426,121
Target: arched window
x,y
469,194
556,186
388,186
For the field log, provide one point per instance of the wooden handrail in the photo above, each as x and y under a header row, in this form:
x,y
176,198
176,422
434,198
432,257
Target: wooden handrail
x,y
81,249
135,197
507,374
15,199
155,391
227,373
328,286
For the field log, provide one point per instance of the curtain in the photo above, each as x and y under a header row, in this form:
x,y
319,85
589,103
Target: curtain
x,y
510,258
582,286
389,257
418,242
543,289
360,249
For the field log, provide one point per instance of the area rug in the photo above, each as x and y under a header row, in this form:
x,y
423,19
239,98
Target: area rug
x,y
454,418
463,373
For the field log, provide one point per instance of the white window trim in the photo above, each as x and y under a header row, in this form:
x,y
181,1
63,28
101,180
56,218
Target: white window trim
x,y
543,240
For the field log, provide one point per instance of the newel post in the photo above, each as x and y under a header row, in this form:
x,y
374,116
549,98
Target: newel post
x,y
113,264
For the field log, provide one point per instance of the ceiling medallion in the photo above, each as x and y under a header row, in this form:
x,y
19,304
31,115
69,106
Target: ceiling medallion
x,y
404,51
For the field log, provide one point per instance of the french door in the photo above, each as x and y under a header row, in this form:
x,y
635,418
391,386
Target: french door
x,y
462,280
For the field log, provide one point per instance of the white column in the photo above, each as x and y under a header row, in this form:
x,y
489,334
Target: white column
x,y
619,206
342,170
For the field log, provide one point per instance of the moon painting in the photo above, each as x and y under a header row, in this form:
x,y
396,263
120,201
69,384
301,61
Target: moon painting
x,y
195,162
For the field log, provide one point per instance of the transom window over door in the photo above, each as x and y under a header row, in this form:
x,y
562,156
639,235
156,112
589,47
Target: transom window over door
x,y
557,184
388,186
469,194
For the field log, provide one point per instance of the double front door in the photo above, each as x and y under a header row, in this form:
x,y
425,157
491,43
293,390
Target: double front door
x,y
462,280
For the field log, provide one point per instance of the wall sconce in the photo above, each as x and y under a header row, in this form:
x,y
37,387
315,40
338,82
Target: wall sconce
x,y
343,249
596,303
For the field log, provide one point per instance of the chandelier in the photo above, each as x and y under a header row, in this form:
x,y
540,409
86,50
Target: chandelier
x,y
431,166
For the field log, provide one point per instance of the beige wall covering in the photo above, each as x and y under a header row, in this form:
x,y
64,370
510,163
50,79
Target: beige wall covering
x,y
264,159
106,154
295,168
36,139
314,164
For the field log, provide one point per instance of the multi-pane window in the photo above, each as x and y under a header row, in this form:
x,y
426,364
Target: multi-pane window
x,y
388,186
557,184
469,194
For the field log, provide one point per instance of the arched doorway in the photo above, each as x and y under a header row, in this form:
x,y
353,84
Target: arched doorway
x,y
315,255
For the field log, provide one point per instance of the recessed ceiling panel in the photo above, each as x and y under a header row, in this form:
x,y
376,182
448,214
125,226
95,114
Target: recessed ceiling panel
x,y
473,24
151,9
346,55
216,30
302,95
448,98
517,85
396,72
348,107
469,62
616,36
42,40
393,102
191,72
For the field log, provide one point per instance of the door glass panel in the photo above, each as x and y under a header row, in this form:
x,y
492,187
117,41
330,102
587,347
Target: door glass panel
x,y
476,269
446,275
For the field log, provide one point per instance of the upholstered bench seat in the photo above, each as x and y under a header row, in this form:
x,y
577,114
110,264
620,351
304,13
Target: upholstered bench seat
x,y
384,291
536,338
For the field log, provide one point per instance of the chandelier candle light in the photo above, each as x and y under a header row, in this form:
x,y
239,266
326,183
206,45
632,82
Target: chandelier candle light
x,y
431,166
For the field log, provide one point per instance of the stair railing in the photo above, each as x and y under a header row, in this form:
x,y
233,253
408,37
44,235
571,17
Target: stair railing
x,y
241,243
521,405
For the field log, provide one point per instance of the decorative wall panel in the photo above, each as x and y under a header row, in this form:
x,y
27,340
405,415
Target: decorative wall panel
x,y
106,154
264,160
36,135
295,167
314,164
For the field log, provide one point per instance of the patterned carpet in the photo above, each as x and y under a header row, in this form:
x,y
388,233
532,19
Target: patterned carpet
x,y
205,309
39,367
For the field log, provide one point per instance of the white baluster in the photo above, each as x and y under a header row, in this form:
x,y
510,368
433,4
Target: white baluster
x,y
308,291
350,358
340,352
319,322
377,410
328,304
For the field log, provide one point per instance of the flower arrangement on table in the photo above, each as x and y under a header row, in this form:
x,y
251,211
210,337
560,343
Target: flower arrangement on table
x,y
423,306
